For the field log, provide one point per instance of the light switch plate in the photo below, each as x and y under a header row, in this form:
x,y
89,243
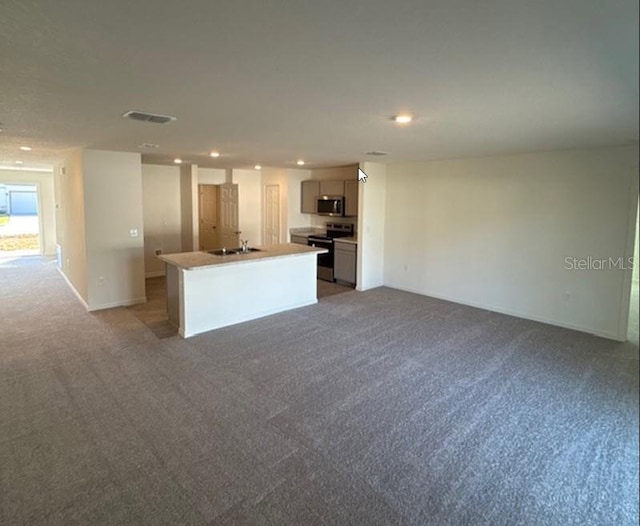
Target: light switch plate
x,y
133,232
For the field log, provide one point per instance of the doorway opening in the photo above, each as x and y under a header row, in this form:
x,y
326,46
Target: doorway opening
x,y
19,220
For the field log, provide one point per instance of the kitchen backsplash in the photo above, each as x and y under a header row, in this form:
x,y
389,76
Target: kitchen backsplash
x,y
320,227
320,221
305,229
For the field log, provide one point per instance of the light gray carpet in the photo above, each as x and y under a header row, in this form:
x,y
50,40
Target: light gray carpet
x,y
369,408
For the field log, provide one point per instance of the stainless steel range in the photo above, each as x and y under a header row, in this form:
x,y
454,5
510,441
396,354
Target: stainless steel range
x,y
325,261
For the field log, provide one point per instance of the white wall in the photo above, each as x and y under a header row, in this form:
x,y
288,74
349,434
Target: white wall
x,y
46,203
249,204
211,175
171,195
70,222
113,206
372,219
189,207
495,233
636,267
161,213
251,198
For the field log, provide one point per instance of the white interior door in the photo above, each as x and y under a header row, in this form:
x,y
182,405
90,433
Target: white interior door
x,y
271,214
229,229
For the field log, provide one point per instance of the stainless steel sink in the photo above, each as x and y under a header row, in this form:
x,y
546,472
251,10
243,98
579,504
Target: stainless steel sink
x,y
233,251
249,250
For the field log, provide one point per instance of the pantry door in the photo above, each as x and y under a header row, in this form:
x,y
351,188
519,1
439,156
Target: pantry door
x,y
271,214
229,229
208,211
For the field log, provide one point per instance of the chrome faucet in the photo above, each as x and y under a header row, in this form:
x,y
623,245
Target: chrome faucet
x,y
245,247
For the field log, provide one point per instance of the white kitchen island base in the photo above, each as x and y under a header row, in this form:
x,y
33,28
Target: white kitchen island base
x,y
233,289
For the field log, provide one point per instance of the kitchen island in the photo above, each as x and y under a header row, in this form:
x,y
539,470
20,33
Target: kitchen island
x,y
207,291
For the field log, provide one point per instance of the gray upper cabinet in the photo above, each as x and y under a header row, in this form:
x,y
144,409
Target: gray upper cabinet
x,y
310,191
351,198
331,187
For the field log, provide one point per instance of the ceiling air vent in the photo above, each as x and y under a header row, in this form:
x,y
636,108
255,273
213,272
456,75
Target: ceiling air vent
x,y
377,153
148,117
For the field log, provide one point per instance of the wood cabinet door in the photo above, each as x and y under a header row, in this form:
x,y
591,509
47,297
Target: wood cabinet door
x,y
332,187
208,210
351,198
310,191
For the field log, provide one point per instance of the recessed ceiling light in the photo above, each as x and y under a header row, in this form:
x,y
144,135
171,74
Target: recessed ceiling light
x,y
19,162
214,154
403,118
25,148
258,167
177,160
300,162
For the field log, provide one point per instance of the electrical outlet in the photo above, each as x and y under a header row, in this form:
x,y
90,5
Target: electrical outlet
x,y
133,232
158,251
101,280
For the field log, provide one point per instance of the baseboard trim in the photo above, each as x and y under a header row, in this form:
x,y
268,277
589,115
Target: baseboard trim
x,y
73,289
155,274
540,319
114,304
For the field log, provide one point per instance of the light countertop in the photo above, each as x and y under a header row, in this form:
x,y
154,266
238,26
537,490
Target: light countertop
x,y
200,260
312,232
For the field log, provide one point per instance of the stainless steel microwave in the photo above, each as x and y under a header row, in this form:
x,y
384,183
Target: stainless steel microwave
x,y
330,205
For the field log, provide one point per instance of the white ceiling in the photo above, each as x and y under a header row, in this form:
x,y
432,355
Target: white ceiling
x,y
274,81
